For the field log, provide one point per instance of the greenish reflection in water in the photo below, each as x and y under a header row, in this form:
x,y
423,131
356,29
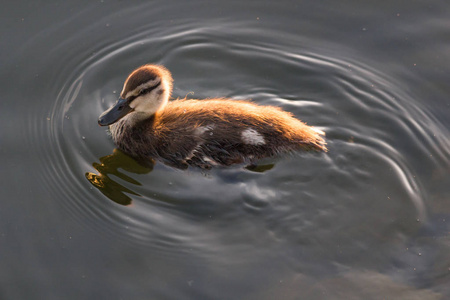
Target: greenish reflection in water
x,y
110,165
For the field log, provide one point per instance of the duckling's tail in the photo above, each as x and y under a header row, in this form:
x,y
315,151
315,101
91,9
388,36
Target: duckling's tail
x,y
320,132
319,143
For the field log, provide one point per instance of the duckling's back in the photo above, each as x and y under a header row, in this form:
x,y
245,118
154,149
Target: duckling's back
x,y
216,132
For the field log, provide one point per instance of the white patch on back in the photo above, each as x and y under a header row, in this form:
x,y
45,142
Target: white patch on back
x,y
199,131
202,129
252,137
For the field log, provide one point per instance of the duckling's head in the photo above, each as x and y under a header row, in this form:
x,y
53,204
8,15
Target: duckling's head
x,y
146,90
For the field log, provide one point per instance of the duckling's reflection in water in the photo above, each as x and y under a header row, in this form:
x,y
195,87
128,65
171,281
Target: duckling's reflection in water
x,y
110,164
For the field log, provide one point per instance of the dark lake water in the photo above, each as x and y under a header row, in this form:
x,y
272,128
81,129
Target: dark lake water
x,y
370,219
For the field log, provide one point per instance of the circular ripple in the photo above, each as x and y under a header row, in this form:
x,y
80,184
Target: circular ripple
x,y
373,128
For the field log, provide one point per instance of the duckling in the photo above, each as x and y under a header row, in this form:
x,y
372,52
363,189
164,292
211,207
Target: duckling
x,y
201,133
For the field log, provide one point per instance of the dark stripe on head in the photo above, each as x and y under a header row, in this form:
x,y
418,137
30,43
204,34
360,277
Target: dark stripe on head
x,y
145,91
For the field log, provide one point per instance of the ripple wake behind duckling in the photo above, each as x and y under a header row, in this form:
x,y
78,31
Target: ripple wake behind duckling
x,y
202,133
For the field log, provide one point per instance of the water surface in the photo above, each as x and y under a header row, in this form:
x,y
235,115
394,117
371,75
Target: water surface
x,y
369,219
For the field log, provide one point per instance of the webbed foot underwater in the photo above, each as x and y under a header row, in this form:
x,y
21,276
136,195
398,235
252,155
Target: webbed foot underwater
x,y
202,133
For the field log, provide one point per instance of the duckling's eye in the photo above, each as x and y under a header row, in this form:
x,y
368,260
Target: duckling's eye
x,y
144,91
147,90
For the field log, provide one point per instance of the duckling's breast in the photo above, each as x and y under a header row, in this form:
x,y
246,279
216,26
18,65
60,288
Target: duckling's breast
x,y
133,138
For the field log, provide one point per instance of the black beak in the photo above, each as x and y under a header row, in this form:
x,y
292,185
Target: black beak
x,y
115,113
